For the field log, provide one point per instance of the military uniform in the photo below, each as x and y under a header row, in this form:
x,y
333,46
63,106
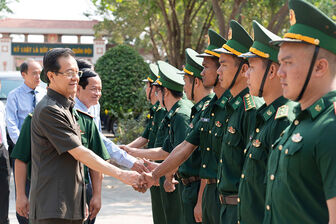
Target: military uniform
x,y
174,125
301,175
207,134
239,121
271,120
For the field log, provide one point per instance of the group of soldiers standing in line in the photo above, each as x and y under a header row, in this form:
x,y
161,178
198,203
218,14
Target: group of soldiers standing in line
x,y
257,145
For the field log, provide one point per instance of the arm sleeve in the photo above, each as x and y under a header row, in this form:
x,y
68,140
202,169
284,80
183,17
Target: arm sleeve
x,y
118,155
194,135
96,143
325,159
58,130
180,128
12,118
22,148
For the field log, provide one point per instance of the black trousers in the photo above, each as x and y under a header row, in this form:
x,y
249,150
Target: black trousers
x,y
4,184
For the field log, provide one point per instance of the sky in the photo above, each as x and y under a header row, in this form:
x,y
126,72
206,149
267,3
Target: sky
x,y
51,9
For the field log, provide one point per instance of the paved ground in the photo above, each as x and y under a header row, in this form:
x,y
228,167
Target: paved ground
x,y
120,204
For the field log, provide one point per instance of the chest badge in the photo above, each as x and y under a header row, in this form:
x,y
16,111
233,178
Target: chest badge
x,y
256,143
231,130
296,138
218,124
82,132
191,125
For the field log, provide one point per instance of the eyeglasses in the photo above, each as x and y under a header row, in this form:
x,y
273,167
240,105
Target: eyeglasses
x,y
70,73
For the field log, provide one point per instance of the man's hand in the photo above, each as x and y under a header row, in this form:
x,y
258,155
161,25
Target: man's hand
x,y
126,148
150,165
198,212
169,184
129,177
95,205
22,206
139,166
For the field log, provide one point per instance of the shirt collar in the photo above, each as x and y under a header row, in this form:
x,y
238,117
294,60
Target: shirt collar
x,y
81,106
67,103
266,112
236,101
174,109
198,106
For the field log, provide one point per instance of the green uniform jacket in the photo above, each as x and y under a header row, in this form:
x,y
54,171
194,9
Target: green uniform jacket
x,y
89,135
149,121
177,119
159,114
192,165
208,135
239,122
271,120
301,173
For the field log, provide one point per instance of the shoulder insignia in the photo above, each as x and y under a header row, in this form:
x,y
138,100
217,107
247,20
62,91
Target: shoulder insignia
x,y
249,102
31,115
282,112
82,112
268,113
205,105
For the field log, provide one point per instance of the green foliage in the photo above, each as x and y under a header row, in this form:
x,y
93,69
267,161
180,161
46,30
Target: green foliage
x,y
122,70
130,128
4,7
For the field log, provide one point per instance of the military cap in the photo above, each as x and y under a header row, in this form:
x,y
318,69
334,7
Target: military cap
x,y
215,40
239,41
169,77
193,65
154,72
261,47
309,25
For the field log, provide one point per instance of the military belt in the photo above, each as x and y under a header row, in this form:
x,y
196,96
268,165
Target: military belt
x,y
211,181
228,200
190,180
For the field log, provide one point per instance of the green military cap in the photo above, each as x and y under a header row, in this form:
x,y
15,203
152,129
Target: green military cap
x,y
239,41
215,41
193,65
261,46
154,72
309,25
169,77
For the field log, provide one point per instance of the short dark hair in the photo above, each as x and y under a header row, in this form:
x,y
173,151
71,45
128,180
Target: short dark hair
x,y
176,94
216,60
50,59
82,63
24,67
87,73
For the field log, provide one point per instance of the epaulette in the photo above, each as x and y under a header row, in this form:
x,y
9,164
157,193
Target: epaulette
x,y
282,112
249,102
30,115
205,105
82,112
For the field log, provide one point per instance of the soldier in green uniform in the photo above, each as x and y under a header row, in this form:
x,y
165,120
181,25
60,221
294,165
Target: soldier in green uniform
x,y
188,172
239,119
272,118
301,176
22,151
174,126
207,134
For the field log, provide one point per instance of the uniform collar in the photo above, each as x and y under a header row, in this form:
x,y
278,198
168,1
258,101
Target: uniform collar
x,y
266,112
81,105
198,106
155,106
236,101
318,107
224,99
59,98
174,109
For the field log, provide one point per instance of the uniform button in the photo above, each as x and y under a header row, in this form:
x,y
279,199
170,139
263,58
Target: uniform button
x,y
257,130
151,116
272,145
201,129
227,120
286,151
168,125
212,114
296,122
208,149
250,155
245,150
218,181
242,176
280,147
220,160
209,131
192,116
204,165
272,177
238,222
268,207
238,200
215,134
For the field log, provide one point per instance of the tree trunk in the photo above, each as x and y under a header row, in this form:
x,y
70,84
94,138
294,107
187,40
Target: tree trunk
x,y
277,20
219,17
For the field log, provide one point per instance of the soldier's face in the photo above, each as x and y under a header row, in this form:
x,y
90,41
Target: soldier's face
x,y
227,70
209,73
150,94
187,86
294,62
254,74
32,76
92,92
